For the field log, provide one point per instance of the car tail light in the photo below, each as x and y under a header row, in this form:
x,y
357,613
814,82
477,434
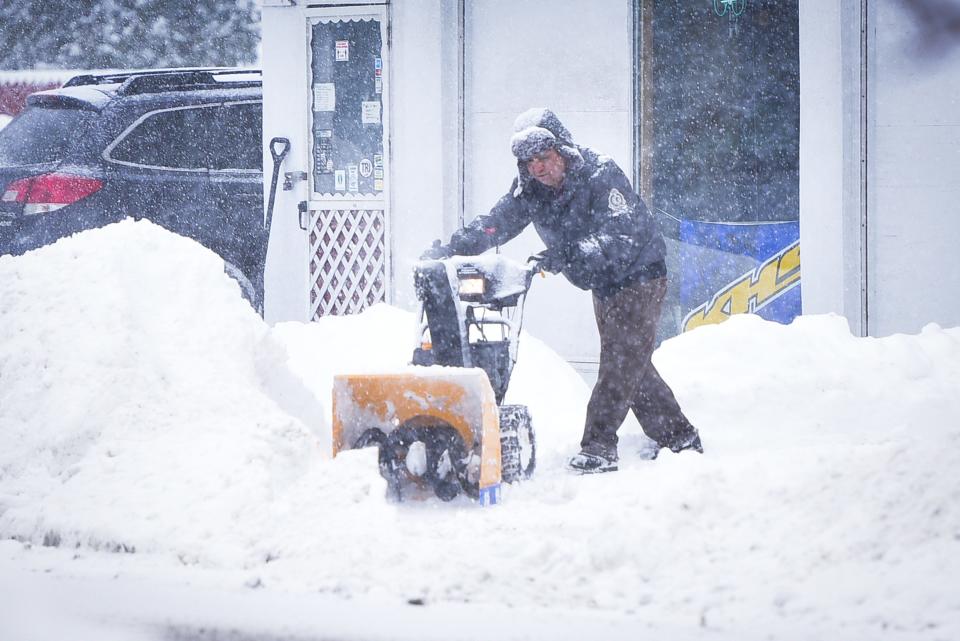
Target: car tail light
x,y
49,192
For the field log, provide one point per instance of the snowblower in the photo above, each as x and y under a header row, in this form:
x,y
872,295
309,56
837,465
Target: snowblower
x,y
445,430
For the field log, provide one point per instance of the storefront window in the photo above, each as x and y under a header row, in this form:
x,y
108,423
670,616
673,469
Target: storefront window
x,y
718,130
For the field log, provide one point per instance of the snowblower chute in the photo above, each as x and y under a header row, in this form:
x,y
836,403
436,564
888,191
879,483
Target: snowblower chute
x,y
444,429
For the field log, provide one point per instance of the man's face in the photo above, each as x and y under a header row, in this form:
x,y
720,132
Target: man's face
x,y
548,167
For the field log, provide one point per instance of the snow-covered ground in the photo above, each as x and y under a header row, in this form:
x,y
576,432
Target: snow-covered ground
x,y
164,474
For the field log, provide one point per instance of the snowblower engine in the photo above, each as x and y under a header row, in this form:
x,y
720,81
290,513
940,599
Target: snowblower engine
x,y
445,430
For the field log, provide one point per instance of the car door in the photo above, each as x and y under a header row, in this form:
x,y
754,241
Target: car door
x,y
236,177
162,160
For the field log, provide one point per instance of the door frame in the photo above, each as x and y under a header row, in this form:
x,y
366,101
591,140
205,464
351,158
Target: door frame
x,y
379,10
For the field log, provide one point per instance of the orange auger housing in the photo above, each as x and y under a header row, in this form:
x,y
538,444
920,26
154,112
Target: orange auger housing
x,y
455,405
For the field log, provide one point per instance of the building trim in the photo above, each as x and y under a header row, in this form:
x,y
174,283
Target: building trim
x,y
864,194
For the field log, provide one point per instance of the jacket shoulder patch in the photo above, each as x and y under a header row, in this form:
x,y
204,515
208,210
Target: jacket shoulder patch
x,y
616,202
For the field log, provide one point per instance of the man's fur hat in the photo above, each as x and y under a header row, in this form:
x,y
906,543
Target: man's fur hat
x,y
537,130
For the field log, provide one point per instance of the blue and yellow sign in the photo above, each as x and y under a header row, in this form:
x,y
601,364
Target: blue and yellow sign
x,y
739,268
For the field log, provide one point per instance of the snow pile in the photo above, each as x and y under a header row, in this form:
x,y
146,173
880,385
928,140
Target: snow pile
x,y
142,404
146,407
132,411
828,500
831,491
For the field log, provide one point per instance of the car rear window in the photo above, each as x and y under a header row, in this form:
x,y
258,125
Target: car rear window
x,y
239,128
41,135
199,137
173,139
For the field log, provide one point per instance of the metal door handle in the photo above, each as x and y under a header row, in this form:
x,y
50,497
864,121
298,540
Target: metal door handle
x,y
301,211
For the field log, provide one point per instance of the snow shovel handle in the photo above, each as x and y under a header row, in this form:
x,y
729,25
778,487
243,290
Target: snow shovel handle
x,y
279,147
278,156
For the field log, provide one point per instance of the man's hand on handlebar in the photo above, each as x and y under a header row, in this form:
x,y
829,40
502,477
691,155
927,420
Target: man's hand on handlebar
x,y
549,261
437,251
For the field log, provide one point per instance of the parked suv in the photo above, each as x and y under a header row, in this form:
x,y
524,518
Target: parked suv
x,y
180,148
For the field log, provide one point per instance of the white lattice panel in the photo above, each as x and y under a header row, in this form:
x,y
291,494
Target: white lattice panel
x,y
347,261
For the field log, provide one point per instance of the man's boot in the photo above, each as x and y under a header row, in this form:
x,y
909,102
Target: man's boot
x,y
594,458
690,444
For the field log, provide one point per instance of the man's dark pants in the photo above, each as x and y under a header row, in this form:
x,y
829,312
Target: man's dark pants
x,y
627,380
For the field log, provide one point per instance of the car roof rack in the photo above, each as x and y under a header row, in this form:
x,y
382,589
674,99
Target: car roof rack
x,y
157,80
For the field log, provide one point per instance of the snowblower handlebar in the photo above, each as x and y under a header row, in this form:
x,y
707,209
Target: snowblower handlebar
x,y
491,280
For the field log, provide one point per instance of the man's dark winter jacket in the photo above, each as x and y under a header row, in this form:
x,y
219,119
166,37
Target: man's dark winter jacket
x,y
600,228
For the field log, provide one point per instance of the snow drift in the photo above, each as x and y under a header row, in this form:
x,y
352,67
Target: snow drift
x,y
144,407
132,407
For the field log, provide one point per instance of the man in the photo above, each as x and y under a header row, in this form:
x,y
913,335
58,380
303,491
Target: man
x,y
602,238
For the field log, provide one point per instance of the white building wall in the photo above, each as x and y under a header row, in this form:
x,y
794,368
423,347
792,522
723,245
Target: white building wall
x,y
425,49
894,274
830,137
913,174
285,113
878,179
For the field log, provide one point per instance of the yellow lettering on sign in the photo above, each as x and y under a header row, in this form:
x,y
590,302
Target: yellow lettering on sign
x,y
752,291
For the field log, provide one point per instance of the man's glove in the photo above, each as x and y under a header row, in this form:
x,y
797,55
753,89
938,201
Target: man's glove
x,y
550,260
437,251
